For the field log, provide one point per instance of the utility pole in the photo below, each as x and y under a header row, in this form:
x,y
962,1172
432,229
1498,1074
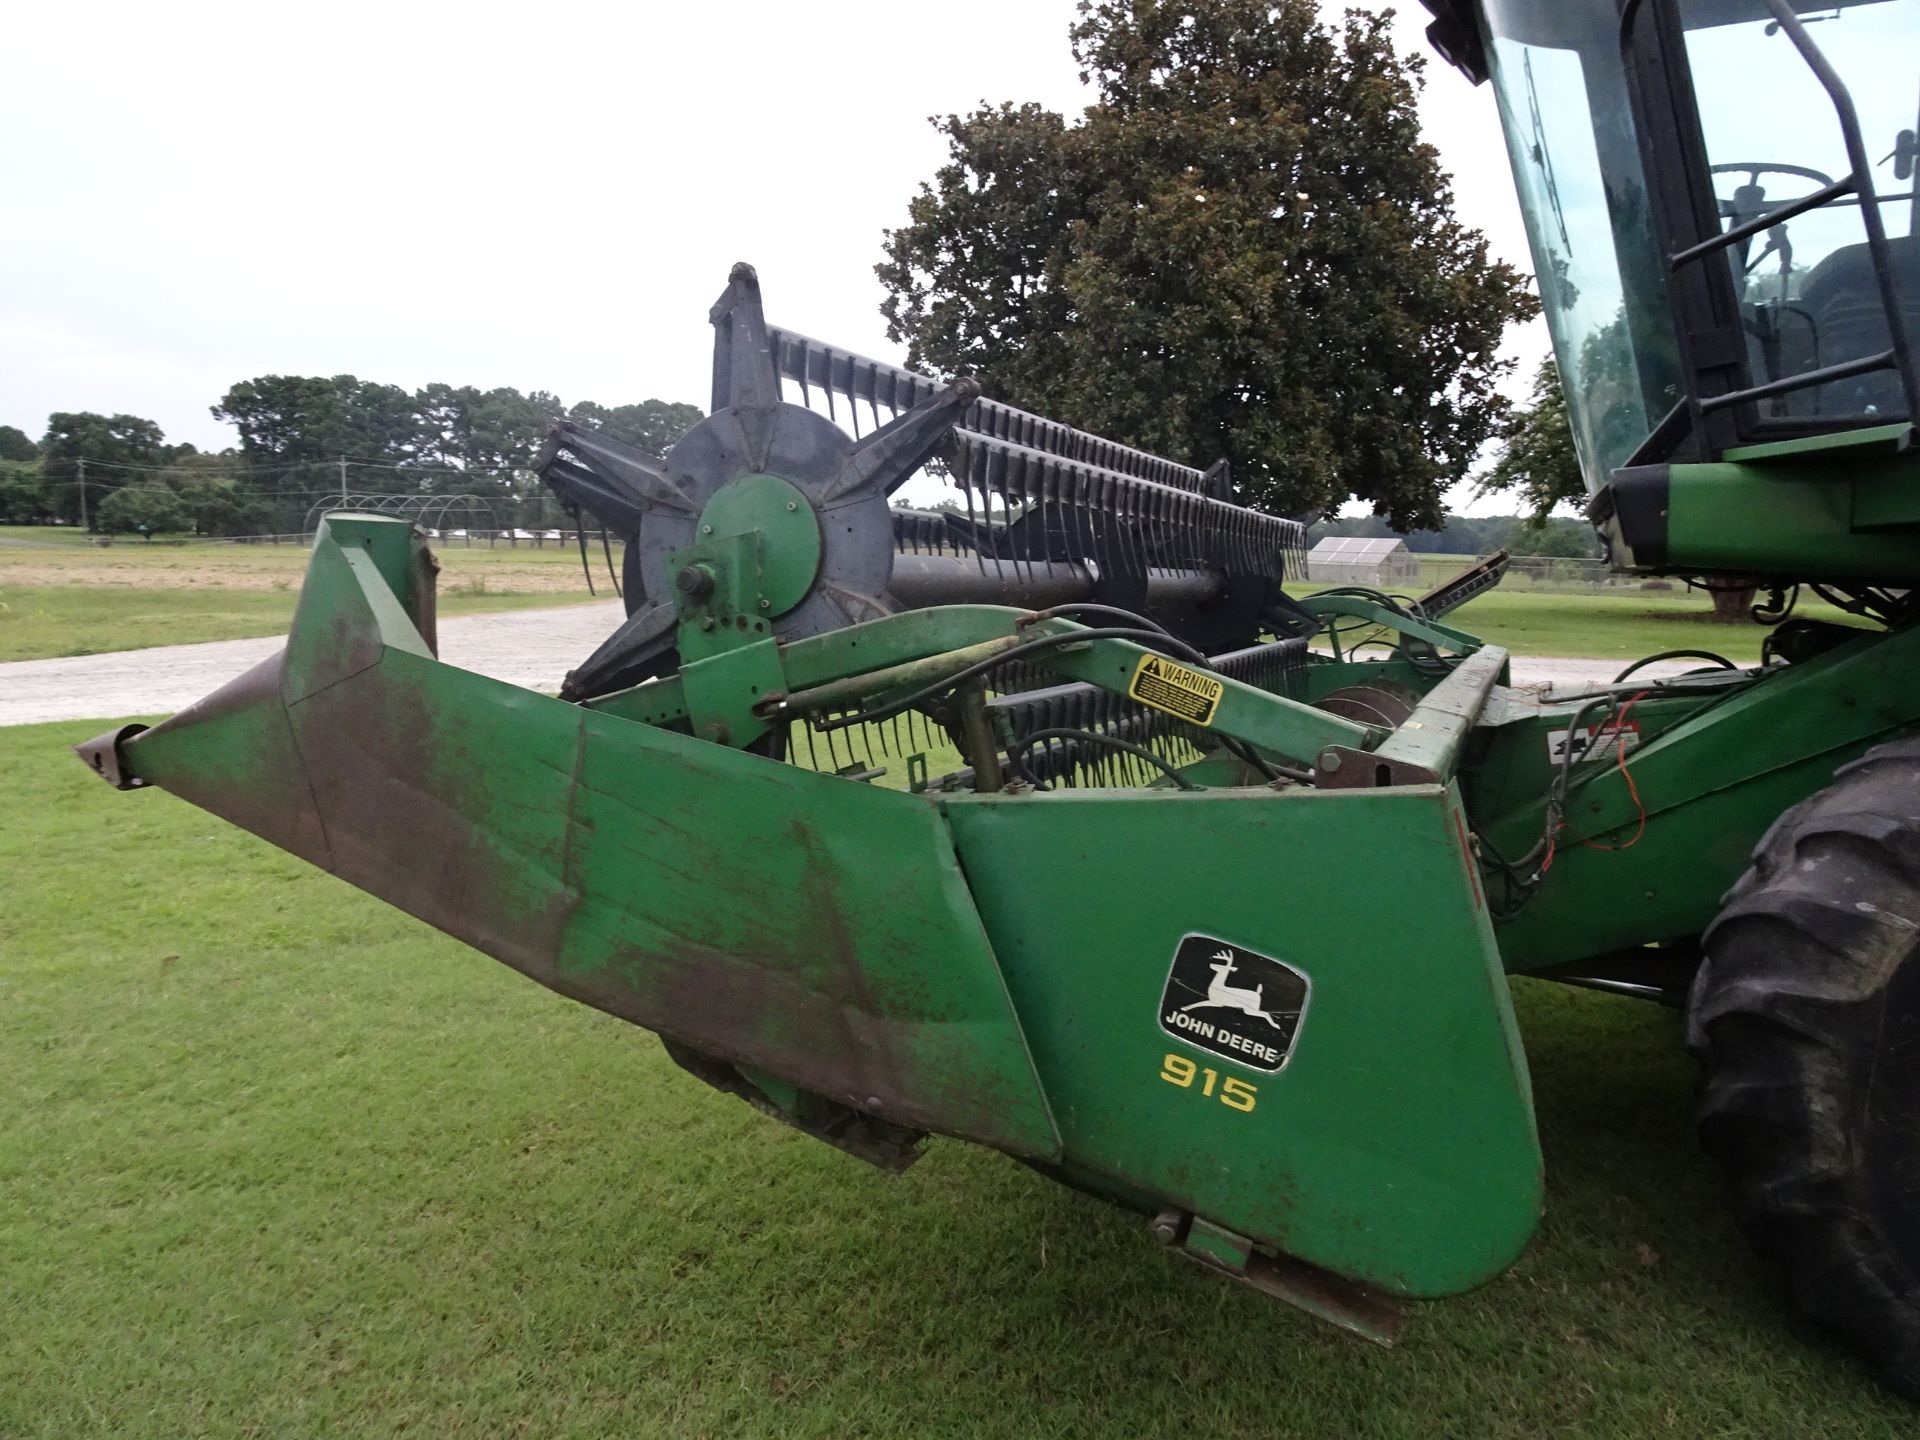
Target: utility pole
x,y
343,482
82,463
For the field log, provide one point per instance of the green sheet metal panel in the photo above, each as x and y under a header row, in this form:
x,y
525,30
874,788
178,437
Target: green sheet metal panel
x,y
813,928
1396,1145
1709,786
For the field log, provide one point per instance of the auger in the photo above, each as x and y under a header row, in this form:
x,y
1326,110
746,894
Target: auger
x,y
1199,895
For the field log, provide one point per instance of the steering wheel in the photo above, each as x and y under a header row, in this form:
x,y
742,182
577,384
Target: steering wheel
x,y
1753,170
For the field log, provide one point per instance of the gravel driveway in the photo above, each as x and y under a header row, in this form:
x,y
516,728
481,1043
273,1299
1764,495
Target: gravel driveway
x,y
534,648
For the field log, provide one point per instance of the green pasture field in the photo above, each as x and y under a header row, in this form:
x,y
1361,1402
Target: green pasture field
x,y
41,621
79,599
1576,620
279,1161
1614,625
83,599
41,535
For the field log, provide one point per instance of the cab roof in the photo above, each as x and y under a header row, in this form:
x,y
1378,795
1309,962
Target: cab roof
x,y
1455,37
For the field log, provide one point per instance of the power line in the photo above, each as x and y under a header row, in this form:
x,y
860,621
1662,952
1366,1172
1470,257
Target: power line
x,y
260,494
533,497
281,467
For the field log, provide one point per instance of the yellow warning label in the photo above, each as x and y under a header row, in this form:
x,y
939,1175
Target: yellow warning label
x,y
1165,685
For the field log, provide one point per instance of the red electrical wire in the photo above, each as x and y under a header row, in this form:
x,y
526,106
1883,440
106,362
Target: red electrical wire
x,y
1619,724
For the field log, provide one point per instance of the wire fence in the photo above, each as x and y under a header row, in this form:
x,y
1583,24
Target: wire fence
x,y
1524,572
492,538
1544,572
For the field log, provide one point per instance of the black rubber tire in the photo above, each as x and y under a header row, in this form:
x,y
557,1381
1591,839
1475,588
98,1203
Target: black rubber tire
x,y
1806,1016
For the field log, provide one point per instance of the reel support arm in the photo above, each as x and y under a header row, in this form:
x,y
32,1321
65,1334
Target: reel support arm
x,y
864,666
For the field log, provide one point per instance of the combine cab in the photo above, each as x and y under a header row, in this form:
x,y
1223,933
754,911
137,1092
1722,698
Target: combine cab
x,y
901,822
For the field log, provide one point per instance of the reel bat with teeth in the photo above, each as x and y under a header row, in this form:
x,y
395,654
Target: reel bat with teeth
x,y
770,519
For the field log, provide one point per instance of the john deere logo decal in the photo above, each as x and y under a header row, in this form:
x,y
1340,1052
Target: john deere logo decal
x,y
1239,1005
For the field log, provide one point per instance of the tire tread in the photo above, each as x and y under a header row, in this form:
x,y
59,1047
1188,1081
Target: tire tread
x,y
1792,966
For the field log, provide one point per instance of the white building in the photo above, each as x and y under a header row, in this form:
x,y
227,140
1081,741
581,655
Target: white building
x,y
1383,564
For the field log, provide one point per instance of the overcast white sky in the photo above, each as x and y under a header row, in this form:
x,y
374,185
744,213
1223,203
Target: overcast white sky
x,y
544,196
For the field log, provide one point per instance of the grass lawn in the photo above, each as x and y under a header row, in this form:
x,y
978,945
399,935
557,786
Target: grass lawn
x,y
1613,626
277,1160
44,534
41,621
82,599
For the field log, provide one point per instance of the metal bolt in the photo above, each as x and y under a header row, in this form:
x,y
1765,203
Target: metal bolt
x,y
1166,1227
791,505
706,529
1329,760
766,604
695,582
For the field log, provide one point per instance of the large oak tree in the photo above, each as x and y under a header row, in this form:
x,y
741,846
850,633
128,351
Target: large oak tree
x,y
1242,248
1537,461
121,449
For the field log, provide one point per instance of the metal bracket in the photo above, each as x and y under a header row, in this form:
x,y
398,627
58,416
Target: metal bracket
x,y
103,754
722,690
1425,748
1321,1293
1340,767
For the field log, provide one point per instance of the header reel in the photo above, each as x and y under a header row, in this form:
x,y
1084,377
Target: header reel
x,y
769,520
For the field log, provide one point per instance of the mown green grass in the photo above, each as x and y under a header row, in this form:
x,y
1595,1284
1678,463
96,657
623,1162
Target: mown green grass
x,y
1622,624
276,1160
41,621
45,534
1612,626
83,599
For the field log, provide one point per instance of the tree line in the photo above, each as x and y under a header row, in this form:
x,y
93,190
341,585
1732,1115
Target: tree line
x,y
445,440
304,439
1556,536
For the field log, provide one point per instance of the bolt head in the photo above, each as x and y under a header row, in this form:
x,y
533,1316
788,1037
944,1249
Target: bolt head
x,y
1329,760
766,604
706,529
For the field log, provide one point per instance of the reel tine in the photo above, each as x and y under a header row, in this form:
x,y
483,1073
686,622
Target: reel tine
x,y
1013,481
1033,520
973,524
888,456
998,536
